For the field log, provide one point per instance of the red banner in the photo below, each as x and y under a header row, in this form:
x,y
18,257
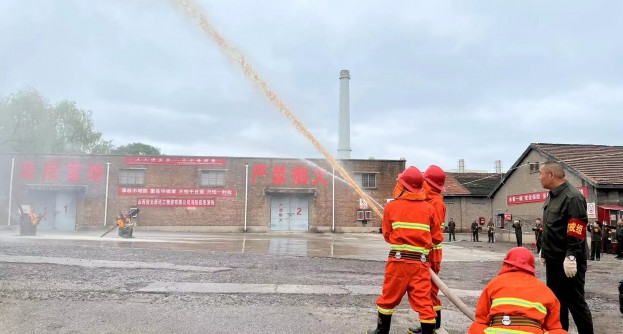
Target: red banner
x,y
175,161
176,202
537,197
162,192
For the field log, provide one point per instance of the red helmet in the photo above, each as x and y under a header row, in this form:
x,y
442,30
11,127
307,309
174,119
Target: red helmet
x,y
412,179
522,258
435,177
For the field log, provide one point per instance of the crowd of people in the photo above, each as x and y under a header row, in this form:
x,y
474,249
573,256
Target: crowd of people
x,y
513,302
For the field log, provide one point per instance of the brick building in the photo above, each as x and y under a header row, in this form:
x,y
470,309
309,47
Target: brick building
x,y
195,193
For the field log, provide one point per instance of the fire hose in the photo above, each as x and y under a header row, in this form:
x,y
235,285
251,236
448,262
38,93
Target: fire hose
x,y
451,296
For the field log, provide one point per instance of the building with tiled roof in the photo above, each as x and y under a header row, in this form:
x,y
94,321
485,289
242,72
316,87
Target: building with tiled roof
x,y
467,197
596,170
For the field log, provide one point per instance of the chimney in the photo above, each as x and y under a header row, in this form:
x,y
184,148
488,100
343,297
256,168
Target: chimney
x,y
343,142
461,166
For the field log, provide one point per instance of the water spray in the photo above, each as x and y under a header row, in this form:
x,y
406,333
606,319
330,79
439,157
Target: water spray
x,y
194,12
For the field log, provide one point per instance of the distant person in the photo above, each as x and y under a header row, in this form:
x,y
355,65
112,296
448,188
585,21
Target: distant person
x,y
411,227
475,231
516,301
538,232
451,230
596,241
564,250
517,226
491,231
619,238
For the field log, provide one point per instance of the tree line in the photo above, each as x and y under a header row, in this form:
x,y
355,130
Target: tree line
x,y
29,123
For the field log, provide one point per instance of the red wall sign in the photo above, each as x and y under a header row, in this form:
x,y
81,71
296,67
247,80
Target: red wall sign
x,y
167,192
66,172
297,175
176,202
175,161
536,197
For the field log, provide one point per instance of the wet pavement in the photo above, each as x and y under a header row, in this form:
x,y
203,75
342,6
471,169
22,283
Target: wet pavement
x,y
361,246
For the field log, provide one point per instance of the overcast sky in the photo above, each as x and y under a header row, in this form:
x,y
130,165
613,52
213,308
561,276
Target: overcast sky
x,y
432,81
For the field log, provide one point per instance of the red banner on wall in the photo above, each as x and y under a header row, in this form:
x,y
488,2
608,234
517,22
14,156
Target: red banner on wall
x,y
537,197
161,192
176,202
175,161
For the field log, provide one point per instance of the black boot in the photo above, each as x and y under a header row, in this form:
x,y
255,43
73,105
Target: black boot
x,y
418,330
438,320
428,328
383,323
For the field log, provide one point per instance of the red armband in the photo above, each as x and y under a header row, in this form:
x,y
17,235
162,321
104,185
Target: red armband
x,y
576,228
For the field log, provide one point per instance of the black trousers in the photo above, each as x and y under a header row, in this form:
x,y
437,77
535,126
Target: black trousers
x,y
595,250
570,293
518,236
451,235
475,236
620,248
538,244
491,237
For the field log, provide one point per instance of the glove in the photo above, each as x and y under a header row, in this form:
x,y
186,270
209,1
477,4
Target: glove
x,y
570,267
541,259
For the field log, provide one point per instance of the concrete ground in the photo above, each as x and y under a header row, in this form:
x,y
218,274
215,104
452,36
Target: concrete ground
x,y
162,282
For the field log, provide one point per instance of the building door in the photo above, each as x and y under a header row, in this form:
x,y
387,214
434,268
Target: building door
x,y
289,213
65,218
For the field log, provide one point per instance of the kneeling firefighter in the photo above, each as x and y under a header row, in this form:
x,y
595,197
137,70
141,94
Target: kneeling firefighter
x,y
124,221
516,301
411,226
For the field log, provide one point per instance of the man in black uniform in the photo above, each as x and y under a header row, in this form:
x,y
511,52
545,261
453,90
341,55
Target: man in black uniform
x,y
564,250
451,229
475,231
595,241
517,226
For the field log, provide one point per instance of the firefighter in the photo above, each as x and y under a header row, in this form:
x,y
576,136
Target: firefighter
x,y
411,227
125,226
435,178
516,301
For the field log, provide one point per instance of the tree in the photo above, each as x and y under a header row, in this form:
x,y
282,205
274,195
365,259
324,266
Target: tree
x,y
30,124
137,149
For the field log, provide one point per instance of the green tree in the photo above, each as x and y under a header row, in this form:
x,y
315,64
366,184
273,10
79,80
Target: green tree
x,y
137,149
30,124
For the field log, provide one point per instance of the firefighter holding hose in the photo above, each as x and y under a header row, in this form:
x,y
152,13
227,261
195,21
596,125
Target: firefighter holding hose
x,y
411,227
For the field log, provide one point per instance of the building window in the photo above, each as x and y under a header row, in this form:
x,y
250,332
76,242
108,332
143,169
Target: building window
x,y
131,177
366,180
534,167
212,178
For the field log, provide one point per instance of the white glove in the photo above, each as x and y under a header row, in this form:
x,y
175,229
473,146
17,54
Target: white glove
x,y
541,259
570,266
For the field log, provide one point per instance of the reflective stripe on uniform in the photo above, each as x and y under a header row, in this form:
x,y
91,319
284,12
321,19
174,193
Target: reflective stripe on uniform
x,y
436,246
437,308
431,321
497,330
411,226
386,311
410,248
519,302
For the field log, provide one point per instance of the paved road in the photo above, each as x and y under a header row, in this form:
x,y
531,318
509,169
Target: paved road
x,y
222,283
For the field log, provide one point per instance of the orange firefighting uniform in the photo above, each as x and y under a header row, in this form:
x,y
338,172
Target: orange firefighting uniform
x,y
436,200
122,220
410,225
515,292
